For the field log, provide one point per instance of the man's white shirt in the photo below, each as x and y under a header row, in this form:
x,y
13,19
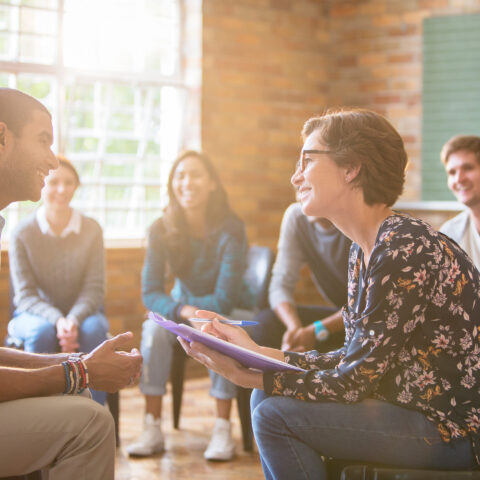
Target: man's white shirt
x,y
463,231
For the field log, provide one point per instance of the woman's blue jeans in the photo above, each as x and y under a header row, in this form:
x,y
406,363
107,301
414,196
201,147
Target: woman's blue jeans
x,y
293,436
40,336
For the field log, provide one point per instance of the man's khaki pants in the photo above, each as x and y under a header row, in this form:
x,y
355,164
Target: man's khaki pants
x,y
72,437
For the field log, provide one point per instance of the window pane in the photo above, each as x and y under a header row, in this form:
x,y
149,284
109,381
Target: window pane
x,y
151,169
85,169
82,144
121,170
39,3
82,119
38,87
122,95
120,117
80,92
87,196
129,35
122,145
121,121
38,21
153,194
117,193
4,79
37,49
5,46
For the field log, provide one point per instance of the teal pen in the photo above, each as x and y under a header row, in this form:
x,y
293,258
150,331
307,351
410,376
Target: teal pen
x,y
240,323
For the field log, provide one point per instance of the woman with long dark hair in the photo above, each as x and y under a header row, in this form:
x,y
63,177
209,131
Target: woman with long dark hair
x,y
203,245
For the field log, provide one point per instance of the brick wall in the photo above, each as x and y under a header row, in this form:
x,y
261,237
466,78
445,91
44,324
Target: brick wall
x,y
378,63
269,65
265,71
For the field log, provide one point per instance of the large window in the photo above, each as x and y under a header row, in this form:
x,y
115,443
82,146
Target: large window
x,y
122,82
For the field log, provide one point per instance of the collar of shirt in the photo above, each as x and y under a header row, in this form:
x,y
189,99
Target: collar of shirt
x,y
72,227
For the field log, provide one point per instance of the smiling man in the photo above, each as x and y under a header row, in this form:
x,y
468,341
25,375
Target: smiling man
x,y
461,158
26,136
67,436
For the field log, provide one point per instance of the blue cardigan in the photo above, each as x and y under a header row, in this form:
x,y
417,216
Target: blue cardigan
x,y
214,280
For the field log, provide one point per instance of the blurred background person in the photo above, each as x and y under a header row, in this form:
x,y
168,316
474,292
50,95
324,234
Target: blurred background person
x,y
315,242
203,244
461,158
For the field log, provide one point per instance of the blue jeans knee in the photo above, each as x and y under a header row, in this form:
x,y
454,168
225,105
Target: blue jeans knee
x,y
37,333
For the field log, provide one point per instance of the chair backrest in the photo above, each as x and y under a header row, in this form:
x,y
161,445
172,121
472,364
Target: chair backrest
x,y
257,275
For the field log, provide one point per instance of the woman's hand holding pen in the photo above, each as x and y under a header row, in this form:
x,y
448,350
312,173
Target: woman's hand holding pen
x,y
225,366
229,333
219,363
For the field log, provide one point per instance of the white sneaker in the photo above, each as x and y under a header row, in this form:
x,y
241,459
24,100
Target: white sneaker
x,y
221,446
150,440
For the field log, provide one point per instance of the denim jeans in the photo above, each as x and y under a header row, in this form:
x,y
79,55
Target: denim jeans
x,y
40,336
157,349
293,435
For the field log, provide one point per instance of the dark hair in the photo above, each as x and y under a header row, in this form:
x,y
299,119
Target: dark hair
x,y
469,143
359,136
16,109
175,225
65,162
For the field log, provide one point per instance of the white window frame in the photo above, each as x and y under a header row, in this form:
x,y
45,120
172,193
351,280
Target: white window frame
x,y
138,212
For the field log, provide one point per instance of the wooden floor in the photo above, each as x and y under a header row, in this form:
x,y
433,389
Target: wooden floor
x,y
183,458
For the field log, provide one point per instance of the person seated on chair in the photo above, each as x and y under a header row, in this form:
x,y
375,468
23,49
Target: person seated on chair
x,y
204,245
67,435
320,245
57,268
461,158
403,390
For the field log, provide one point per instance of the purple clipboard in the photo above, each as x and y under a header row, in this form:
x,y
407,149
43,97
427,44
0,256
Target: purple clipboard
x,y
244,356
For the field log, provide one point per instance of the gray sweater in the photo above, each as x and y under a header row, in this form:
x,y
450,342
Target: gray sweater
x,y
54,277
325,251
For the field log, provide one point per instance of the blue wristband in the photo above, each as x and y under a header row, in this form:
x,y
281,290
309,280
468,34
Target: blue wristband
x,y
321,333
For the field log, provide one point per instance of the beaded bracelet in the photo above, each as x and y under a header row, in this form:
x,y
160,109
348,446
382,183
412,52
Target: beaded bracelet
x,y
321,333
76,376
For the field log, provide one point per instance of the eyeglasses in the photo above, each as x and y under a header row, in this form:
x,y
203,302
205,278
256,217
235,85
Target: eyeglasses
x,y
304,160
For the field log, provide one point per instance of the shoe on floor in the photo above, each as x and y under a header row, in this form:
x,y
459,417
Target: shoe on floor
x,y
150,441
221,446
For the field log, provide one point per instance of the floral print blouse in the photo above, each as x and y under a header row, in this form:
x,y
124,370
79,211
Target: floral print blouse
x,y
412,333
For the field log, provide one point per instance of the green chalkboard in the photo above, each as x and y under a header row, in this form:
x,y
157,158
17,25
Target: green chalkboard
x,y
451,92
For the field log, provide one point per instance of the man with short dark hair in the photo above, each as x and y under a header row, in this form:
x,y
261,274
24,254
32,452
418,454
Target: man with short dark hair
x,y
461,158
69,435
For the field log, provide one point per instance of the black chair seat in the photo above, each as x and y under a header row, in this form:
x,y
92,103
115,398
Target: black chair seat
x,y
364,472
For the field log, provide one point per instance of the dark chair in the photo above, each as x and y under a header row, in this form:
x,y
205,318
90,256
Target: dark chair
x,y
257,276
367,472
